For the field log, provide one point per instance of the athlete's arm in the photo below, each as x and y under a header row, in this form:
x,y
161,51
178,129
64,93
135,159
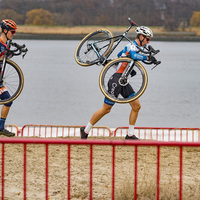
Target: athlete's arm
x,y
136,56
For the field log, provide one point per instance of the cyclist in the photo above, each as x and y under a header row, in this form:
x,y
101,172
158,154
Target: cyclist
x,y
132,49
8,31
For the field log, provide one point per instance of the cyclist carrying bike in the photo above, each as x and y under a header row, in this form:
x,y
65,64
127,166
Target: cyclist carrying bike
x,y
8,27
132,49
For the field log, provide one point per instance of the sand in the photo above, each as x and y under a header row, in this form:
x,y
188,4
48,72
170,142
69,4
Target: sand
x,y
102,172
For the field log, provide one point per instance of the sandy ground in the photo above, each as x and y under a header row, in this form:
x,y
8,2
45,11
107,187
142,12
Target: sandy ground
x,y
102,172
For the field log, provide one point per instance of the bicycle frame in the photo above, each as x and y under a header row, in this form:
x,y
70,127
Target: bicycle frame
x,y
4,62
117,38
19,49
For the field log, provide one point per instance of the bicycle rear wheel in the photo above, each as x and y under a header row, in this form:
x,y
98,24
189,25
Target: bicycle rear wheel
x,y
120,92
85,54
13,81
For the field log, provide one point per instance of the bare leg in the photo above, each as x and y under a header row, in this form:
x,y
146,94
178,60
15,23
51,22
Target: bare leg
x,y
135,105
4,114
4,111
100,113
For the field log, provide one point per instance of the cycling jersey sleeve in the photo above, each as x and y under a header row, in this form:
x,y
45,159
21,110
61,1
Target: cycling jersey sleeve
x,y
132,50
2,48
120,53
136,56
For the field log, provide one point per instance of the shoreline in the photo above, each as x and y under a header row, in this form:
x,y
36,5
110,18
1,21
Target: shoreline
x,y
157,37
79,32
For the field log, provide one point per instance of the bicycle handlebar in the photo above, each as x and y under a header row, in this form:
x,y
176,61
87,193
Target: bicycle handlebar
x,y
150,51
19,49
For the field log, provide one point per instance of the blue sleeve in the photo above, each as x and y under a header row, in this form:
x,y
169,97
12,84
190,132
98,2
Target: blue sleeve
x,y
2,49
120,53
137,56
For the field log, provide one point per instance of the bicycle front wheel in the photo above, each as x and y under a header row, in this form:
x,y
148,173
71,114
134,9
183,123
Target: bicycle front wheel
x,y
13,81
118,91
102,42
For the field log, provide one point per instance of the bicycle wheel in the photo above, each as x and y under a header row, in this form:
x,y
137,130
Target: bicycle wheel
x,y
85,54
13,81
122,92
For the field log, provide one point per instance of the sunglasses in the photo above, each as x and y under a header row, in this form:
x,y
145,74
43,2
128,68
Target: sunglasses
x,y
13,32
148,39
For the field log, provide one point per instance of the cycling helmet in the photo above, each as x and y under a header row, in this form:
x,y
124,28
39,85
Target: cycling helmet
x,y
143,30
8,24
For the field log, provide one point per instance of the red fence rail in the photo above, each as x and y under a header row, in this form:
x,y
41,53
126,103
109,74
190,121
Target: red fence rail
x,y
91,143
145,133
162,133
61,131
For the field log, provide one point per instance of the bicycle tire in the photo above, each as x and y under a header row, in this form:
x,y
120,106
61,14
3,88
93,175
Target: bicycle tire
x,y
138,82
13,80
85,55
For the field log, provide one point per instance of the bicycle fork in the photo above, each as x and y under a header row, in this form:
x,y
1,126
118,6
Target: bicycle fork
x,y
123,80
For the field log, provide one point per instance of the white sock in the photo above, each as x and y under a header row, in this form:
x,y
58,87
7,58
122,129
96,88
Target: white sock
x,y
131,130
88,128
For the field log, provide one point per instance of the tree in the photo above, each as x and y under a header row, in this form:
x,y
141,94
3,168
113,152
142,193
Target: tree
x,y
39,17
195,19
11,14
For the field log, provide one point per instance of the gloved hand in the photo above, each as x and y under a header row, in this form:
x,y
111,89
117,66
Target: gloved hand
x,y
10,55
133,73
152,59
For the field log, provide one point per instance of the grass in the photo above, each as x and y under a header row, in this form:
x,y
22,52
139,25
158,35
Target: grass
x,y
88,29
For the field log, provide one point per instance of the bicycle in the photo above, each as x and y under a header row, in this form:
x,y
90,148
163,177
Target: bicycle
x,y
97,46
11,76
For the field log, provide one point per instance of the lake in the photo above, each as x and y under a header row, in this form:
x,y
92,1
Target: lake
x,y
58,91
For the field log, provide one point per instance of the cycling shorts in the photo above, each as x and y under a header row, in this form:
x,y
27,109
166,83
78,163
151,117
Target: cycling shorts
x,y
4,94
115,88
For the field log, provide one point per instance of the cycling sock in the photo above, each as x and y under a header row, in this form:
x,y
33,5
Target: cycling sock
x,y
88,128
2,123
131,130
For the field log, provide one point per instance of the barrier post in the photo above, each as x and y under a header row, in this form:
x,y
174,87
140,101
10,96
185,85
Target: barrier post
x,y
47,169
91,149
69,171
158,171
113,174
135,173
181,171
24,171
2,173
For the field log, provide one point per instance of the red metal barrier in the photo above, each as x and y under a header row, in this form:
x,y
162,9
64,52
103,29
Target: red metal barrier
x,y
162,133
32,130
13,128
112,143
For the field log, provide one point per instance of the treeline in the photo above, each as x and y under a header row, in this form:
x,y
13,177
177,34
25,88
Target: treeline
x,y
168,13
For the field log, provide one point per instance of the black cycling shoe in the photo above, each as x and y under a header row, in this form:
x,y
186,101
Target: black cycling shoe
x,y
83,134
6,133
131,137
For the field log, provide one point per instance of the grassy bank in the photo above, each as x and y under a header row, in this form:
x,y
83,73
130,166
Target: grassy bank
x,y
78,32
88,29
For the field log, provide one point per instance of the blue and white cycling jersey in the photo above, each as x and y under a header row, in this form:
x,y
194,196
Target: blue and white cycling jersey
x,y
132,50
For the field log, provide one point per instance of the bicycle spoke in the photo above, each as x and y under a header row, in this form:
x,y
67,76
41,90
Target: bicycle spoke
x,y
124,90
12,81
93,47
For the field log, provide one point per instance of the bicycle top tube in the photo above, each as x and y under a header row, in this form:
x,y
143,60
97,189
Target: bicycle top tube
x,y
117,41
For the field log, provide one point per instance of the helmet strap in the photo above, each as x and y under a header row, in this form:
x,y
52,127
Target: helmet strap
x,y
6,33
141,41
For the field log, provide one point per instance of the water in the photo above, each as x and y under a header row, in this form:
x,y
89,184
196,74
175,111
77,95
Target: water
x,y
58,91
